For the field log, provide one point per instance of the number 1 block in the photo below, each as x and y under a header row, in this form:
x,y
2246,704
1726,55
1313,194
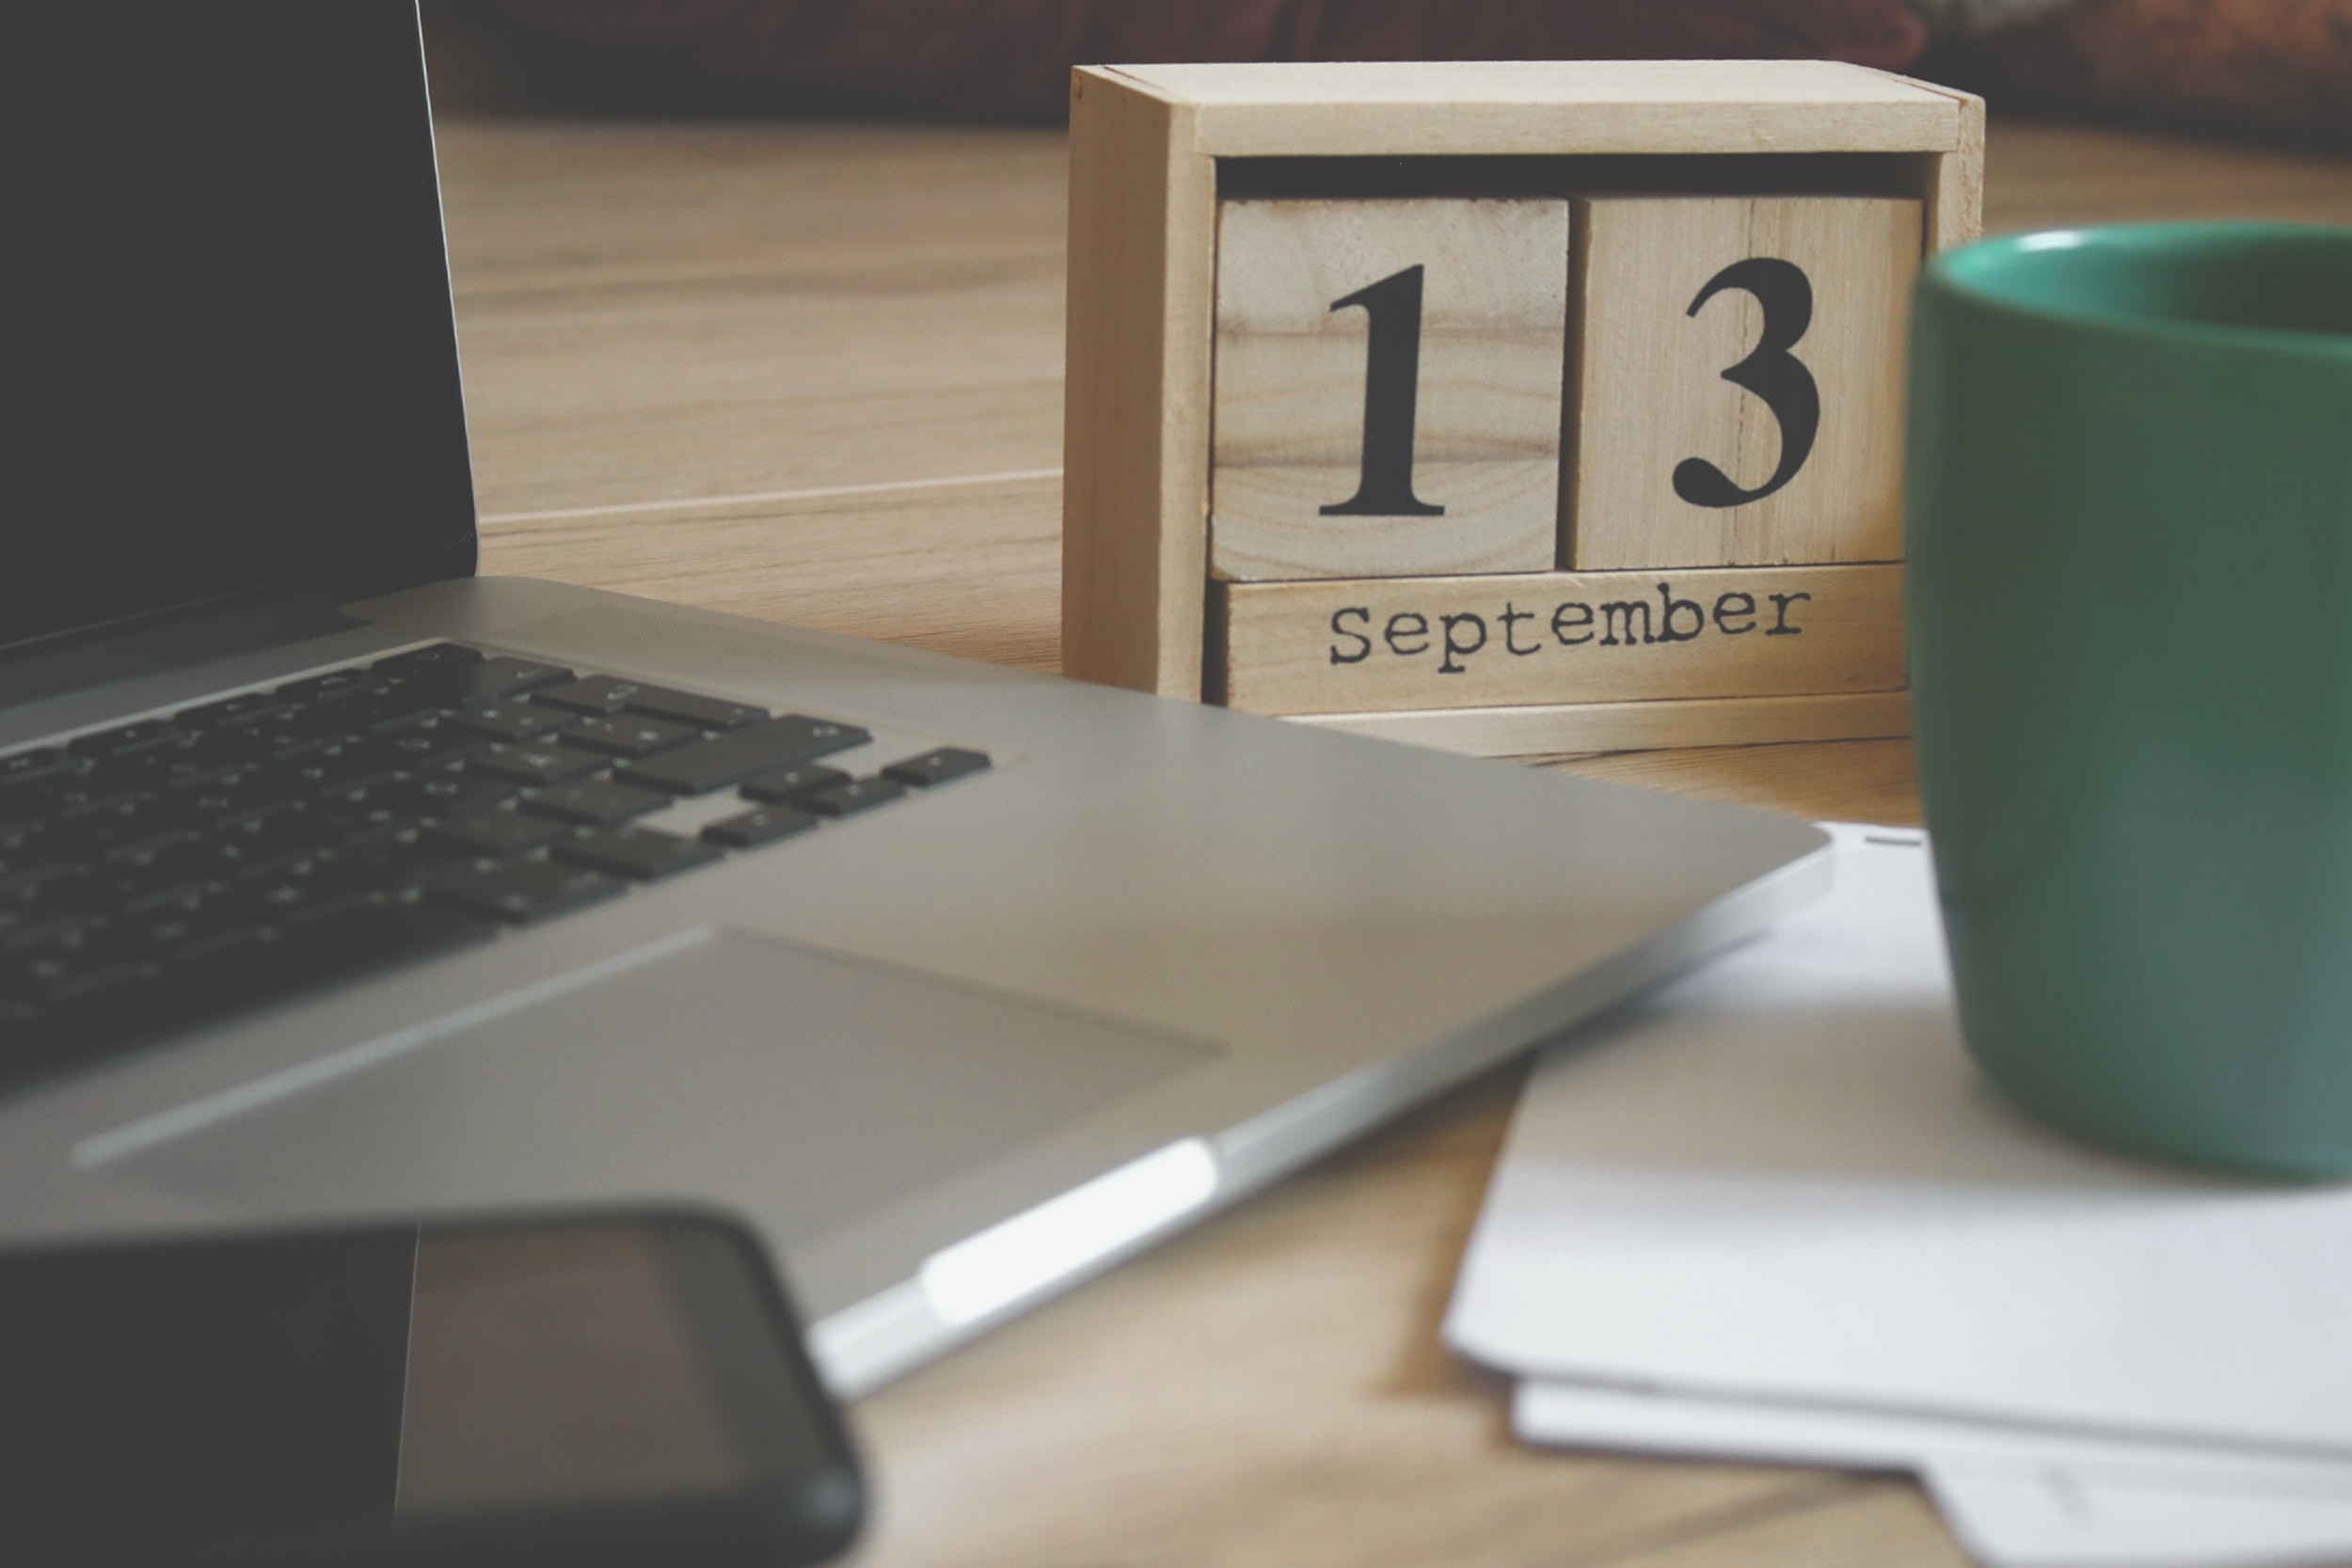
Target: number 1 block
x,y
1387,386
1738,382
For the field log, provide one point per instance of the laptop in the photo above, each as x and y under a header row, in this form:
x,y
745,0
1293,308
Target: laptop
x,y
338,881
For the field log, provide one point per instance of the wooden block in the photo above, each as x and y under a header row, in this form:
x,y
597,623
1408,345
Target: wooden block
x,y
1372,108
1152,148
1375,644
1388,387
1739,380
1135,493
1548,731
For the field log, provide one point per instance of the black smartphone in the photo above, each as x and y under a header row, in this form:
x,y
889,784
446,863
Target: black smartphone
x,y
608,1390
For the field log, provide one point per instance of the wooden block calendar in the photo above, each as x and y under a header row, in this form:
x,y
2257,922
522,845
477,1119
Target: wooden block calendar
x,y
1513,407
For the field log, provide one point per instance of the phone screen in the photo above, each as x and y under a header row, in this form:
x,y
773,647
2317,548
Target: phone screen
x,y
429,1384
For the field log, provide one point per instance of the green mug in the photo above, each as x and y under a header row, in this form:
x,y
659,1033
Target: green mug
x,y
2130,584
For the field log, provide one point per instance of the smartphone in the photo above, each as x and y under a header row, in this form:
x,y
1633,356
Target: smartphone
x,y
607,1390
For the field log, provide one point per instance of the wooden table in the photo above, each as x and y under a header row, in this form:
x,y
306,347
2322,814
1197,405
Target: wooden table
x,y
813,373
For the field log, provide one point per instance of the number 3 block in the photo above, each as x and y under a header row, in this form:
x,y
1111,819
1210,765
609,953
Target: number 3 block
x,y
1739,380
1388,387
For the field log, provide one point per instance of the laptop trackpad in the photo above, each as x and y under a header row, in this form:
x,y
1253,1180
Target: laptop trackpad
x,y
731,1067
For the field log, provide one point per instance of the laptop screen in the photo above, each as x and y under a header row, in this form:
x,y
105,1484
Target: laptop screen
x,y
229,364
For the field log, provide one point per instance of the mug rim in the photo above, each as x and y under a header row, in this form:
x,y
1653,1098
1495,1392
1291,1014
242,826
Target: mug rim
x,y
1968,274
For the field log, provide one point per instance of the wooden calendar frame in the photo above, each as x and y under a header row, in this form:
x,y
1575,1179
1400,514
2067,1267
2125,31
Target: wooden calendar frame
x,y
1147,150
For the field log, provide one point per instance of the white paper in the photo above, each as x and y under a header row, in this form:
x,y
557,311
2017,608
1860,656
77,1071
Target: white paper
x,y
2015,1498
2052,1520
1782,1178
1585,1415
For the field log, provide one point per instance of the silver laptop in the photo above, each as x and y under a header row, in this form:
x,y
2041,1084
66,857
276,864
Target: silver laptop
x,y
335,881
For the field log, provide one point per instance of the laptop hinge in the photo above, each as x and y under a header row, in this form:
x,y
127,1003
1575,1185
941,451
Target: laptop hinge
x,y
153,646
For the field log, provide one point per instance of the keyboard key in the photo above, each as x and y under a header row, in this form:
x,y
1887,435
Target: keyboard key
x,y
195,926
361,937
489,680
123,828
642,853
29,923
372,935
142,877
608,694
598,694
848,799
138,772
335,682
228,710
522,890
262,843
451,789
422,745
39,861
730,758
110,1000
323,722
236,744
340,944
595,803
289,898
68,795
626,736
69,974
784,787
27,766
127,737
372,811
538,764
508,720
198,758
217,800
290,733
937,768
400,704
86,891
438,656
762,825
497,833
406,861
334,767
710,713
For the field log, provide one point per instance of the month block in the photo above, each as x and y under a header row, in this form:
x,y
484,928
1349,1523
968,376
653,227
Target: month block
x,y
1388,387
1375,644
1738,380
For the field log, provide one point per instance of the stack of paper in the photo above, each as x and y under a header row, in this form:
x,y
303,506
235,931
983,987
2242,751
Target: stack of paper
x,y
1773,1212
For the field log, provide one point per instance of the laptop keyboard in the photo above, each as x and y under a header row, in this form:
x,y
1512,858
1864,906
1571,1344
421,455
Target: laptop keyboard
x,y
173,871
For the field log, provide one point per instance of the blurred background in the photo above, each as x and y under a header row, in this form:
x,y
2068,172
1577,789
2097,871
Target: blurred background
x,y
2280,69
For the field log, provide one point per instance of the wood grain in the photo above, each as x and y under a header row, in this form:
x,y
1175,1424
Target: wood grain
x,y
1652,394
958,569
1562,637
1489,279
1953,185
1269,1389
654,313
1855,780
1135,515
1374,108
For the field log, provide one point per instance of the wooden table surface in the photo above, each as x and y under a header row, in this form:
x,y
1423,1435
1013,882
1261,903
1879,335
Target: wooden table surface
x,y
813,373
